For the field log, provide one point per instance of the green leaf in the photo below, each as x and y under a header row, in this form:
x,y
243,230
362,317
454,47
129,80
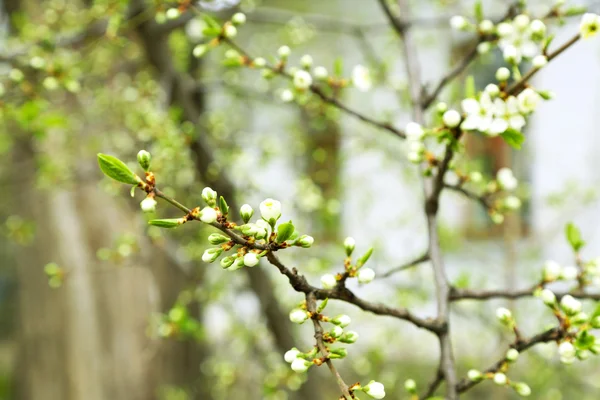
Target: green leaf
x,y
213,27
116,169
574,10
364,258
478,10
574,236
338,67
585,340
322,305
284,231
547,42
166,223
470,87
223,206
513,138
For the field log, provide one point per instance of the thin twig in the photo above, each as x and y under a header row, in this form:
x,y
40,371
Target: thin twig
x,y
311,305
413,263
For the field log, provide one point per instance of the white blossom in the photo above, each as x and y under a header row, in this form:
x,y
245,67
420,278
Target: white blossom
x,y
548,297
208,215
361,78
500,378
238,18
286,96
528,100
512,354
320,72
300,365
484,47
506,179
209,195
298,315
270,209
291,355
342,320
512,203
349,244
259,62
328,281
552,271
250,259
148,205
375,390
306,60
539,61
522,389
570,304
366,275
410,385
537,28
459,22
589,26
567,352
569,272
414,131
503,314
284,51
302,79
502,74
230,31
486,26
451,118
474,375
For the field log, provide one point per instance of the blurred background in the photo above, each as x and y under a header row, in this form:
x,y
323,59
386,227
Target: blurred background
x,y
95,305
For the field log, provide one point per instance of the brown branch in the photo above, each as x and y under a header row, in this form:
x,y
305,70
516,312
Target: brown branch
x,y
413,263
434,385
520,345
311,305
324,97
483,294
482,199
518,86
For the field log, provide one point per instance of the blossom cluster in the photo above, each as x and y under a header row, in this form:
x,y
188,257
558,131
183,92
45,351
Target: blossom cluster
x,y
301,361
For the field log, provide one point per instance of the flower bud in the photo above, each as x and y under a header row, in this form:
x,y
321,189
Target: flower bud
x,y
144,158
502,74
208,215
320,73
521,21
270,210
291,355
305,241
506,179
301,365
459,23
551,271
511,54
474,375
298,315
286,95
567,352
492,90
306,61
148,205
246,212
238,18
284,52
569,273
548,297
522,389
500,378
410,386
229,31
210,255
349,337
512,355
504,315
441,107
451,118
336,332
486,26
365,275
414,131
217,238
484,47
512,203
227,262
375,390
539,61
339,352
200,50
250,259
302,79
259,62
537,28
328,281
349,244
570,305
172,13
209,196
342,320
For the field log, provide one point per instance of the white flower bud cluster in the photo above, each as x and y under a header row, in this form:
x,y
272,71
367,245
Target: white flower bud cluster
x,y
521,38
553,271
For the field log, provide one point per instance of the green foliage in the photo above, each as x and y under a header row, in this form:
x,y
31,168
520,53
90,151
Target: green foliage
x,y
116,169
574,237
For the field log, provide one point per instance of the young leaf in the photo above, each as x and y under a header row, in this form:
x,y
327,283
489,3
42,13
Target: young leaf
x,y
116,169
338,67
284,231
574,236
585,341
513,138
470,87
364,258
223,206
478,10
166,223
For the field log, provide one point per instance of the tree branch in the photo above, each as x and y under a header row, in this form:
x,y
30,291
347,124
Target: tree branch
x,y
311,305
413,263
